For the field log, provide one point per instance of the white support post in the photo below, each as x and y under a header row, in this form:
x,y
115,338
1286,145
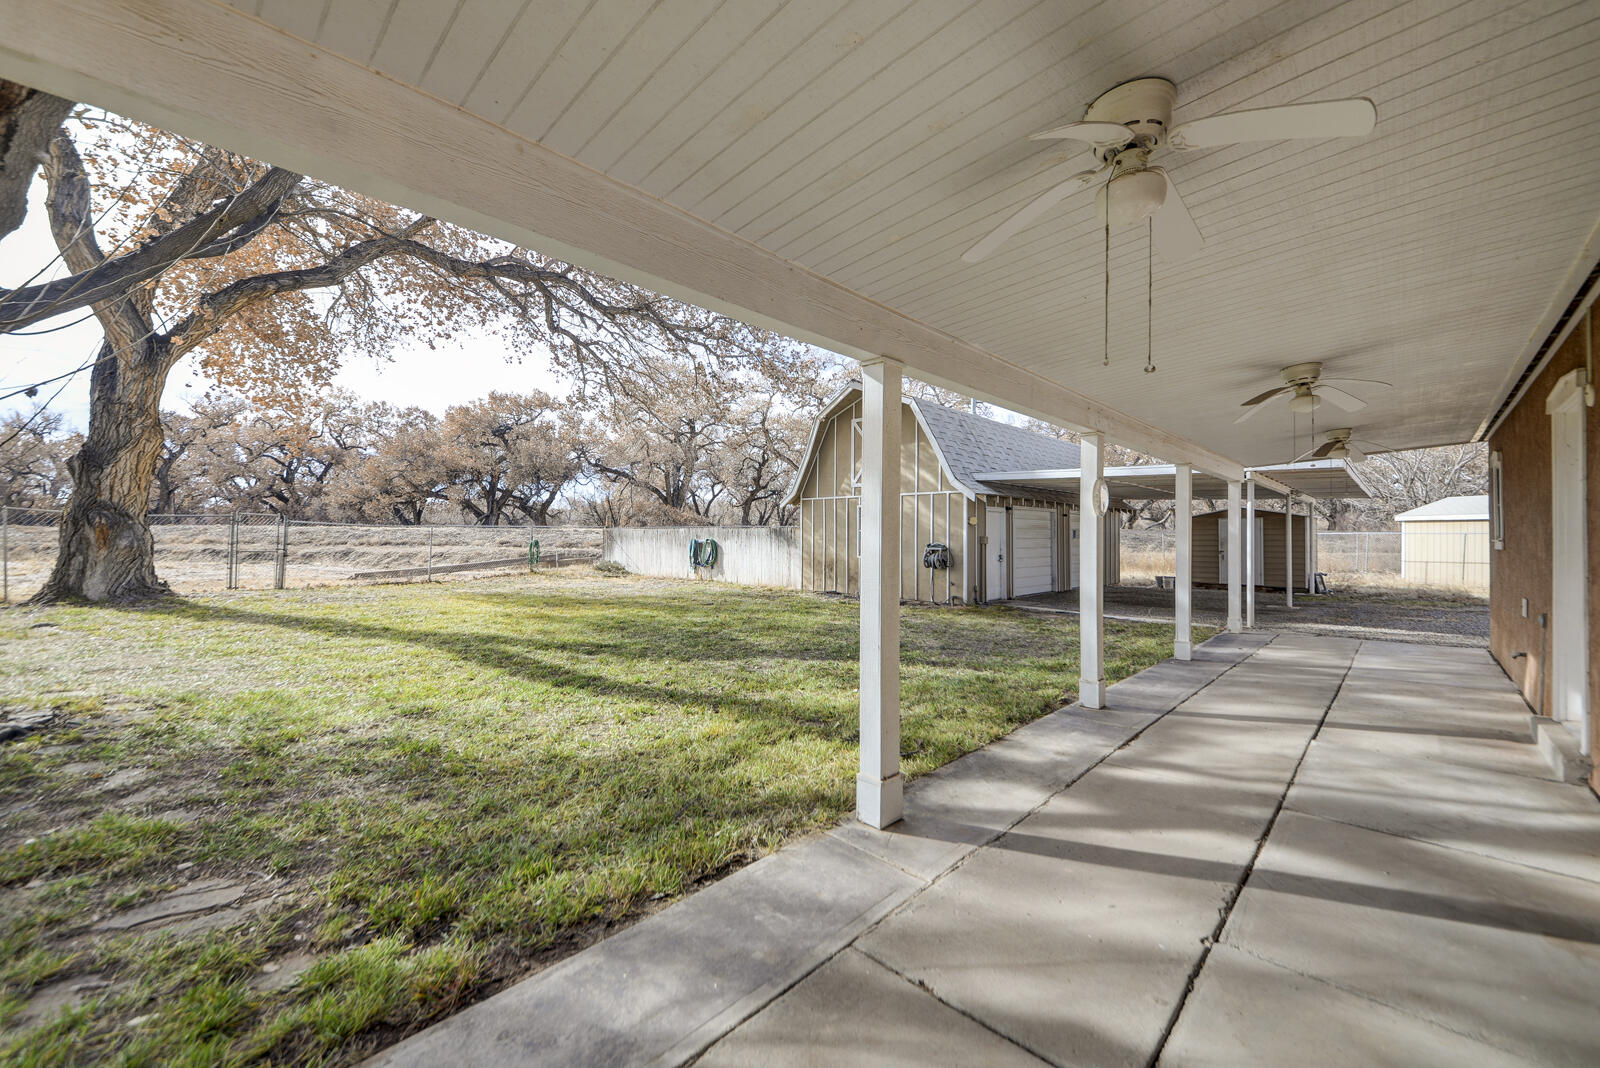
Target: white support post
x,y
1091,576
1250,576
1235,553
879,786
1311,545
1288,551
1182,596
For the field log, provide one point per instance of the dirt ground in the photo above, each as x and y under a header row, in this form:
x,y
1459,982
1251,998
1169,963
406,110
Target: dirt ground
x,y
1384,612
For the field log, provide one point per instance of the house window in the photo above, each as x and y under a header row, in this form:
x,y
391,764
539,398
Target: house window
x,y
1497,505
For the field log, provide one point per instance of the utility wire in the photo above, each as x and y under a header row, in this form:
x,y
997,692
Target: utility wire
x,y
29,389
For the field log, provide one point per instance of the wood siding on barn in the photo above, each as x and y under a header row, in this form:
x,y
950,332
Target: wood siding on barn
x,y
1207,550
932,509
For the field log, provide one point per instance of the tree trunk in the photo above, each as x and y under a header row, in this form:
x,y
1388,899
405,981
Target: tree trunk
x,y
106,552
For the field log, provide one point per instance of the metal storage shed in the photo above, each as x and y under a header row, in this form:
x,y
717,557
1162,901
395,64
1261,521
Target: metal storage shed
x,y
1446,543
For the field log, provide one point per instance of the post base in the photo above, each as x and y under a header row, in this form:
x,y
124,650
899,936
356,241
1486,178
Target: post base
x,y
880,802
1092,693
1182,651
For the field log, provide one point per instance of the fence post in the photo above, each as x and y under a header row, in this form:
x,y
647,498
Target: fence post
x,y
5,554
282,563
430,554
233,551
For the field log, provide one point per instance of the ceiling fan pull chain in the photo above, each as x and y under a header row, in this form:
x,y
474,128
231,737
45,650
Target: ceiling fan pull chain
x,y
1149,296
1106,358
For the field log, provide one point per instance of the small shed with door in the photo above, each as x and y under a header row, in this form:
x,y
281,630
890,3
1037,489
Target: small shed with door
x,y
1446,543
998,540
1211,550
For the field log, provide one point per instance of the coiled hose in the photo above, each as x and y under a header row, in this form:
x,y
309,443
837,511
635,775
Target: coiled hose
x,y
702,553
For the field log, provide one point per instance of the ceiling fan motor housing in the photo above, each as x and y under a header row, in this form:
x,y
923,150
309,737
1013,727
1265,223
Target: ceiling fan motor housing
x,y
1143,105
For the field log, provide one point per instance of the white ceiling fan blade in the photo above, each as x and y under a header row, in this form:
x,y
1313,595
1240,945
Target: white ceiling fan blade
x,y
1028,214
1093,133
1303,455
1252,409
1173,230
1344,400
1262,398
1353,454
1329,118
1359,381
1381,446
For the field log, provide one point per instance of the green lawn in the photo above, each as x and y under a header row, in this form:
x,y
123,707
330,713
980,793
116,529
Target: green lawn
x,y
430,790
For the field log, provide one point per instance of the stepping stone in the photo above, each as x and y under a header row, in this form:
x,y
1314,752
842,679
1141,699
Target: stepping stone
x,y
200,897
50,999
283,973
121,779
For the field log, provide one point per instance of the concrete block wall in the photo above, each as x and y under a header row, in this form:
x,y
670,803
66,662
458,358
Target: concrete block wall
x,y
748,556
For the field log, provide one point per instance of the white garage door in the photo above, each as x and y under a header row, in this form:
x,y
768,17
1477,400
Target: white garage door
x,y
1033,543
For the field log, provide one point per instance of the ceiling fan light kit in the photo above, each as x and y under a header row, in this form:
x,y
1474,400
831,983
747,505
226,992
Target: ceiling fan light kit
x,y
1304,401
1131,197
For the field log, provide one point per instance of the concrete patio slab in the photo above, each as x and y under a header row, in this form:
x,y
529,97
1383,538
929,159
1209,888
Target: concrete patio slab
x,y
969,801
1537,822
1505,954
670,985
819,1024
1077,953
1246,1011
1076,933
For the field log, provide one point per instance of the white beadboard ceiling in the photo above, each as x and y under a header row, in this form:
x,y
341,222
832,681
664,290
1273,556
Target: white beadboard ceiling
x,y
872,141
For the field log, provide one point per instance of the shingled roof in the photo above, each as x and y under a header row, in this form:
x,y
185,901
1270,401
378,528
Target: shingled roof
x,y
970,444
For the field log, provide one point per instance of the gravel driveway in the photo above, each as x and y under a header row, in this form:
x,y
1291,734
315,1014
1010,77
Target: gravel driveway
x,y
1418,615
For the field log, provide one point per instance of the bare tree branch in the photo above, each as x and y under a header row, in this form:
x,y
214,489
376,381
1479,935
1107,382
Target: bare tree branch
x,y
229,224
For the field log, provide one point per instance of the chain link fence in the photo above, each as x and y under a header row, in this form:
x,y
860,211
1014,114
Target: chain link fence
x,y
258,551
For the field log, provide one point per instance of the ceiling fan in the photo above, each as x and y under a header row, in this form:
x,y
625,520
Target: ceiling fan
x,y
1126,125
1305,382
1338,447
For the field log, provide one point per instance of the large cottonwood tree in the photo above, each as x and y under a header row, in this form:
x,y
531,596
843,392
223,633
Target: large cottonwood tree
x,y
270,280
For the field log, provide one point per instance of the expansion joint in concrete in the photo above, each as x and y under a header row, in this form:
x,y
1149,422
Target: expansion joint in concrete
x,y
1244,877
934,994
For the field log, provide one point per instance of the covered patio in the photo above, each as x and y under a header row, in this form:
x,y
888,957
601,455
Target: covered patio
x,y
1287,849
1352,838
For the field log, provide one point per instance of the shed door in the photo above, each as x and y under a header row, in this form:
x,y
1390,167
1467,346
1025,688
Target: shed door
x,y
1259,552
1072,525
1033,541
995,558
